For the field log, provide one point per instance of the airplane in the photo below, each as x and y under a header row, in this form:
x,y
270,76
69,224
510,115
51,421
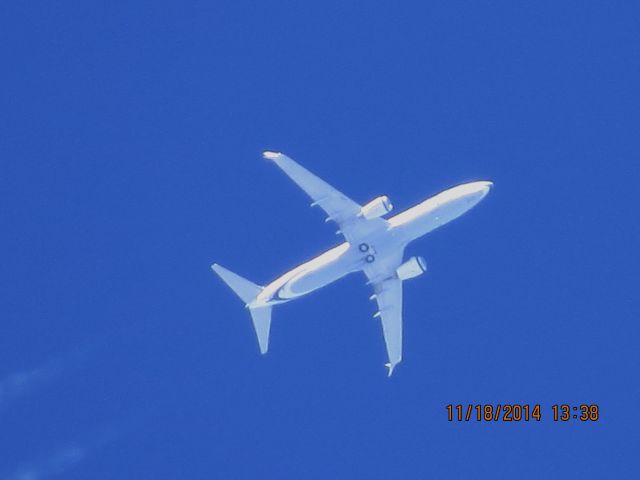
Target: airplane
x,y
373,245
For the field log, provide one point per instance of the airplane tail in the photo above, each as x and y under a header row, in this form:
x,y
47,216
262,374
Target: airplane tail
x,y
248,291
261,317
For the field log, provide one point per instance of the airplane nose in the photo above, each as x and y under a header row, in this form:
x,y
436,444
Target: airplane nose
x,y
472,192
484,187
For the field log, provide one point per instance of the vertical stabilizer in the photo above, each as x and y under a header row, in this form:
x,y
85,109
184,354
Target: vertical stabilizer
x,y
248,291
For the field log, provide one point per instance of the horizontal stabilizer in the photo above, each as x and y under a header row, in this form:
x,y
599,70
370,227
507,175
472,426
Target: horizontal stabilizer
x,y
244,288
248,291
261,317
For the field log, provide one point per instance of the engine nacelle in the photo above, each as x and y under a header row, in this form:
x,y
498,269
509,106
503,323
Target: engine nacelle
x,y
376,208
411,268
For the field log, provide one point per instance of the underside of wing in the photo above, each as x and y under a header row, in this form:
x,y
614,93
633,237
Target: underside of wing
x,y
388,295
339,208
387,292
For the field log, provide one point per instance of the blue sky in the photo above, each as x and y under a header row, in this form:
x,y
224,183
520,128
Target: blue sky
x,y
130,150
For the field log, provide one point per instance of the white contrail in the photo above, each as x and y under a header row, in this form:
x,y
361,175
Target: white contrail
x,y
58,462
21,383
18,384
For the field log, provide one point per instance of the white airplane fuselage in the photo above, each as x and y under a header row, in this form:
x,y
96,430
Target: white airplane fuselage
x,y
345,258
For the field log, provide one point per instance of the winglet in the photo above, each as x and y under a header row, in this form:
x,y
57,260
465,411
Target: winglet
x,y
270,155
390,366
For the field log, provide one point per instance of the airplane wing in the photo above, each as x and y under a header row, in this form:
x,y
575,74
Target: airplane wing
x,y
340,208
388,294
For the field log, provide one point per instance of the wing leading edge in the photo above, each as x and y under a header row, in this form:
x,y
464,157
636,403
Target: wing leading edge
x,y
339,208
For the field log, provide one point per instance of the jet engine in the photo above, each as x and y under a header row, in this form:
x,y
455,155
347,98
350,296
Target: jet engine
x,y
376,208
411,268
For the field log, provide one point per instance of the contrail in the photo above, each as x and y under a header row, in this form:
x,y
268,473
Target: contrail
x,y
18,384
56,463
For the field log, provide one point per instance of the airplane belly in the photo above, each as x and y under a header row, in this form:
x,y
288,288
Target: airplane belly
x,y
437,211
312,280
440,215
316,275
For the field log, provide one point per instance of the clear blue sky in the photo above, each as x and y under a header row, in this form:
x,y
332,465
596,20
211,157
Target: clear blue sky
x,y
130,149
